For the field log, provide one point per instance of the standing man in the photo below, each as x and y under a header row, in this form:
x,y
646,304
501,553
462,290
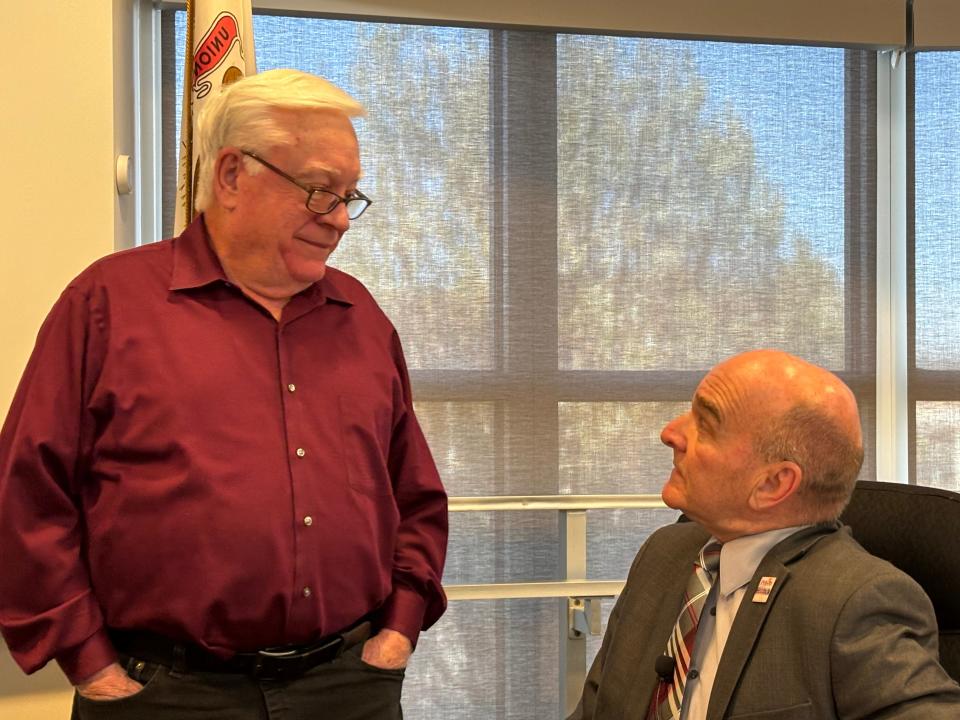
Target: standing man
x,y
764,606
215,497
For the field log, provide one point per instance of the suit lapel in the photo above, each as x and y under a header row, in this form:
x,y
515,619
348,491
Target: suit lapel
x,y
752,615
666,601
648,615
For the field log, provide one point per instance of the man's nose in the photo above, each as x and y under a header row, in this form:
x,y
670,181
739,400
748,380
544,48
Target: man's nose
x,y
337,217
672,434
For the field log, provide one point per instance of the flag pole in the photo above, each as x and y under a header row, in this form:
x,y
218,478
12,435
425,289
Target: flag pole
x,y
188,110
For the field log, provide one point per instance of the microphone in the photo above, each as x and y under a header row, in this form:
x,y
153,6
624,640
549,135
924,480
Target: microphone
x,y
665,666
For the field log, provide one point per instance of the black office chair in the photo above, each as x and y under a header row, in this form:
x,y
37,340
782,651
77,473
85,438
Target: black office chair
x,y
918,530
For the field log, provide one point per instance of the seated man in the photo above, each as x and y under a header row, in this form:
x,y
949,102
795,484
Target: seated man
x,y
764,606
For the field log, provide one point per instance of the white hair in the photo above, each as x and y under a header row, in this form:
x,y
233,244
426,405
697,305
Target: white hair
x,y
244,115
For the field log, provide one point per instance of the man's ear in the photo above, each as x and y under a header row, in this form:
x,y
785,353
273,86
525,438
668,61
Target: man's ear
x,y
226,177
775,484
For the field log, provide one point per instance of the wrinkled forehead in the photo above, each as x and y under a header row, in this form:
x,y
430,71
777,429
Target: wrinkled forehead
x,y
737,392
720,395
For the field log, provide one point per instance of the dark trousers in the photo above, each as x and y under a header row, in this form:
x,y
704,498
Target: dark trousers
x,y
344,689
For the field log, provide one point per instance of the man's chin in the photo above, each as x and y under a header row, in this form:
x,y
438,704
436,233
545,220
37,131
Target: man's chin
x,y
308,273
672,497
306,263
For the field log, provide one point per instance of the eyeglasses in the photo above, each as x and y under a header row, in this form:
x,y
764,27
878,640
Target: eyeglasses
x,y
320,200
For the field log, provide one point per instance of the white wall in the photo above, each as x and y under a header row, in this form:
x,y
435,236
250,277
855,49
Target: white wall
x,y
65,112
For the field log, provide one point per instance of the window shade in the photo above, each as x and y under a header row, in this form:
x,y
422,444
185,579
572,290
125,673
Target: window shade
x,y
568,231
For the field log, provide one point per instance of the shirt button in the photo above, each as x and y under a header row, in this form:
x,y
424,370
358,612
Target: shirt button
x,y
307,592
301,452
713,611
308,521
693,674
291,387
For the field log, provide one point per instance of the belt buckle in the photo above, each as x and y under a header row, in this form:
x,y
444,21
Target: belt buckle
x,y
274,663
282,663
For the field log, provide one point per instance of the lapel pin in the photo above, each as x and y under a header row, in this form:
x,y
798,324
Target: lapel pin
x,y
763,589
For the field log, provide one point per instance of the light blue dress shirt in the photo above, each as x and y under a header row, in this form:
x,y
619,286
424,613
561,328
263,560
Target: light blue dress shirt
x,y
739,560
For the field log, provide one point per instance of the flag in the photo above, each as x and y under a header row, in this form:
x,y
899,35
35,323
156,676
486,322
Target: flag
x,y
219,51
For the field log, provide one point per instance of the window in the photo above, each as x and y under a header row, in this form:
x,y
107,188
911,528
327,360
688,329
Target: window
x,y
568,231
934,372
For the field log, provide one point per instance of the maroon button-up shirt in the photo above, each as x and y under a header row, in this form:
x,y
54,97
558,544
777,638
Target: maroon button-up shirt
x,y
176,460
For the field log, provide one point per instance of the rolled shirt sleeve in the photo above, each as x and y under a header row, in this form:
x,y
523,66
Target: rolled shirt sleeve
x,y
417,600
47,605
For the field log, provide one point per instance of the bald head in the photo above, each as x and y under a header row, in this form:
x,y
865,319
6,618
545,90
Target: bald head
x,y
776,380
804,414
770,441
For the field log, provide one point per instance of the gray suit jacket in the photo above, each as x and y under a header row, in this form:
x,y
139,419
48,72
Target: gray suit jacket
x,y
842,635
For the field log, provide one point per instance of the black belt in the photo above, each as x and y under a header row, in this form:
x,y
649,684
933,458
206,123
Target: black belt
x,y
284,662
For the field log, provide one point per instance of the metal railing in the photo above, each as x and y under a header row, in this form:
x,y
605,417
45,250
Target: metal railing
x,y
578,598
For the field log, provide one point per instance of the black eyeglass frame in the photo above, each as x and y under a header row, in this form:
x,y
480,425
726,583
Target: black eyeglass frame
x,y
312,191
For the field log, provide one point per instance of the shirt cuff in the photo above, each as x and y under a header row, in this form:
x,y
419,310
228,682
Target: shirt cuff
x,y
88,658
403,612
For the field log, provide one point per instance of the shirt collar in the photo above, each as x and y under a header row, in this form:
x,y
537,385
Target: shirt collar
x,y
740,558
194,262
195,265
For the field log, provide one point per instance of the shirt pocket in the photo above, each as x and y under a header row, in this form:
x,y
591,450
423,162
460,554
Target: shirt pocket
x,y
365,424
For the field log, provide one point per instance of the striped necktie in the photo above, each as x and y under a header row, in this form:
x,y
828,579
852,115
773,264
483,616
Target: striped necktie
x,y
668,699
